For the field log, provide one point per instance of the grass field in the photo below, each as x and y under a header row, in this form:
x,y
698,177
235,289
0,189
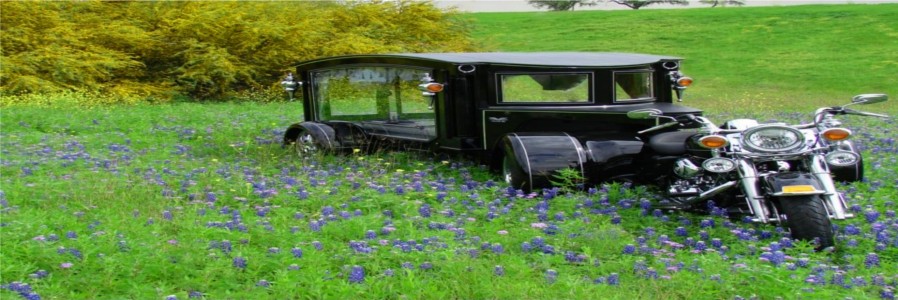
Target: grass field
x,y
200,200
756,58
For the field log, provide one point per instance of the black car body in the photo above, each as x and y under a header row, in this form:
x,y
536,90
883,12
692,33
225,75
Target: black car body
x,y
526,114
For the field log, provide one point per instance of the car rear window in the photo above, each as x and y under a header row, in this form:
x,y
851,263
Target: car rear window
x,y
545,87
633,86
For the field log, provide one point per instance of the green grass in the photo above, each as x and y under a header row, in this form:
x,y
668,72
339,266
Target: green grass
x,y
111,176
753,58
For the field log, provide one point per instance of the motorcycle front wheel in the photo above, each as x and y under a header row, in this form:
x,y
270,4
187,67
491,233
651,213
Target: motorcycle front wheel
x,y
808,220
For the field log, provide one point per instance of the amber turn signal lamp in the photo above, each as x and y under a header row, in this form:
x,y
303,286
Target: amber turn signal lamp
x,y
432,87
684,81
713,141
836,134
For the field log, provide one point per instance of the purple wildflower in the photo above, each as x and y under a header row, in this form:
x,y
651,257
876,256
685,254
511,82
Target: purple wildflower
x,y
613,279
317,245
551,276
297,253
871,261
357,274
263,283
426,265
239,262
499,271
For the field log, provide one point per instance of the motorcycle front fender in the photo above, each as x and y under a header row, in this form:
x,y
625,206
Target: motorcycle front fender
x,y
793,184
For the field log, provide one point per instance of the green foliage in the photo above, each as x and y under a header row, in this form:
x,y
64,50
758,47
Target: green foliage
x,y
560,5
569,180
715,3
637,4
205,50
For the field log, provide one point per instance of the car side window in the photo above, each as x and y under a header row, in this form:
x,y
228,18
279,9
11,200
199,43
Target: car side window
x,y
370,93
544,88
633,86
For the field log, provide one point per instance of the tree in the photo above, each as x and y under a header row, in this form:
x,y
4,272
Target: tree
x,y
715,3
637,4
560,5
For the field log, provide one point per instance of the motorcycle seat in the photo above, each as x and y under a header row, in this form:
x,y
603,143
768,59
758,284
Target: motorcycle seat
x,y
670,143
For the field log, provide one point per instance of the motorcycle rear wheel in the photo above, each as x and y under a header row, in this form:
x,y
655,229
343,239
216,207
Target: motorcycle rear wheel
x,y
808,220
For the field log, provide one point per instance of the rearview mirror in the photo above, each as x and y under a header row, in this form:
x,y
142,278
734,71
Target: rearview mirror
x,y
869,98
642,114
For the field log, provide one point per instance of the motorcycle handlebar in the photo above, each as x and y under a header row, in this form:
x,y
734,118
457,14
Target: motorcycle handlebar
x,y
863,113
658,127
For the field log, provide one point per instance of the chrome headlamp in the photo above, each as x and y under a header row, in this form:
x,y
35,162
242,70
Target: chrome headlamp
x,y
719,165
772,139
842,158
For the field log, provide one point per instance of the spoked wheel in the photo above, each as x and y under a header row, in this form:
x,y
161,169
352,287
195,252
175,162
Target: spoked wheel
x,y
306,144
807,220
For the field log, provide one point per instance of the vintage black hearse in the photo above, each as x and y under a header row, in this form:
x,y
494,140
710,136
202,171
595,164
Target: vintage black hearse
x,y
527,115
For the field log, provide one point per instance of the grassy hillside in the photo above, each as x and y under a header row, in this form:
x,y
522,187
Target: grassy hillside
x,y
797,57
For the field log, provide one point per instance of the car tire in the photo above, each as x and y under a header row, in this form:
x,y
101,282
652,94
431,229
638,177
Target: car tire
x,y
512,172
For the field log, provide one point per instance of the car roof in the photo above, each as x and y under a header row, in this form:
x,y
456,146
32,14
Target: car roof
x,y
550,59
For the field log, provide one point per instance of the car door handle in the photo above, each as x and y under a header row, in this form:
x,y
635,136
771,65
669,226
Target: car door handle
x,y
498,120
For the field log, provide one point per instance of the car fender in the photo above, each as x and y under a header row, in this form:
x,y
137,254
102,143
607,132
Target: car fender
x,y
541,154
321,132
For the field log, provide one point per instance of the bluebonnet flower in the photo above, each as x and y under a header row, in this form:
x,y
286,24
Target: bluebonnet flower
x,y
293,267
407,265
425,210
263,283
239,262
297,253
499,270
167,215
629,249
389,272
39,274
426,265
317,245
357,274
274,250
548,249
538,241
195,294
613,279
497,248
370,234
707,223
551,276
871,261
887,293
616,219
171,297
71,235
871,216
314,226
526,247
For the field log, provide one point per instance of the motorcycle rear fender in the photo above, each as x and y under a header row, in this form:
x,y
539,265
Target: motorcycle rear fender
x,y
793,184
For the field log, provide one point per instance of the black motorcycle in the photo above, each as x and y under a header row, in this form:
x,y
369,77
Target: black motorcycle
x,y
774,173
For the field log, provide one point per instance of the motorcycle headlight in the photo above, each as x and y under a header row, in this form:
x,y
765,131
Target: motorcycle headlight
x,y
719,165
772,139
842,158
